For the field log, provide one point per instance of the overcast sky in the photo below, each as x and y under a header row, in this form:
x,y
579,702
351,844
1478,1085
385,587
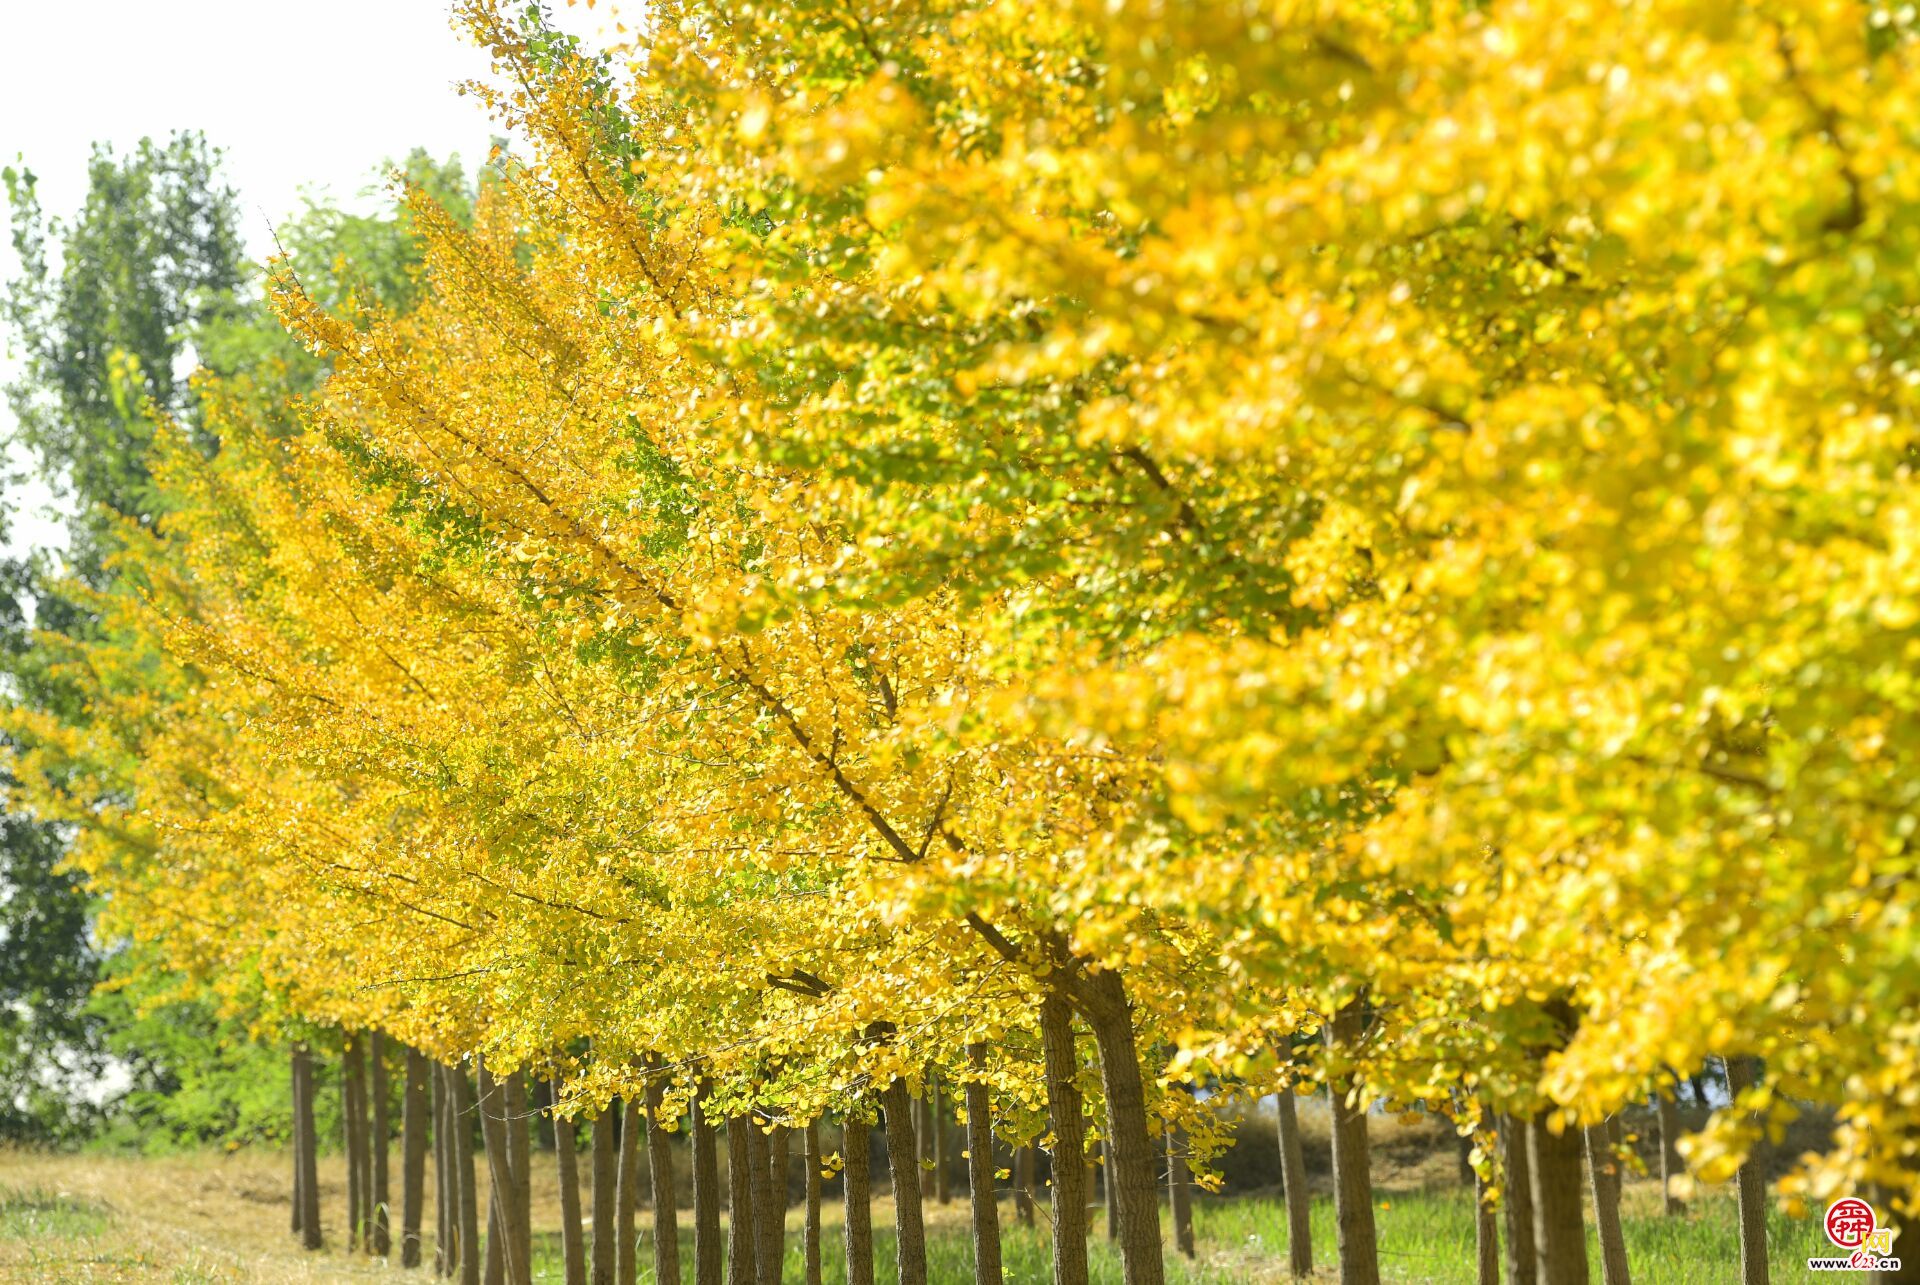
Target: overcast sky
x,y
300,95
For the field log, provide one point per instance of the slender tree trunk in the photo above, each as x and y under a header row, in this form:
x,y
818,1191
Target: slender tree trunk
x,y
1559,1240
626,1248
741,1240
1066,1109
413,1156
501,1223
382,1135
444,1196
497,1236
307,1144
911,1239
1104,1171
1516,1199
468,1232
666,1201
1293,1177
573,1240
1023,1180
1603,1168
606,1167
857,1192
982,1198
810,1229
707,1245
519,1124
1134,1174
1752,1182
1486,1232
769,1211
1180,1192
937,1108
293,1090
353,1059
1670,1166
1352,1181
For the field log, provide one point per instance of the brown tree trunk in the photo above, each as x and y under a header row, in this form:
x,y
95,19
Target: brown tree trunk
x,y
938,1110
1486,1233
1104,1171
1352,1181
982,1198
1180,1192
1134,1174
1293,1178
708,1251
501,1223
1603,1167
1670,1165
573,1240
911,1236
857,1190
497,1236
1752,1183
626,1255
444,1196
298,1204
1516,1199
1023,1180
1559,1239
380,1140
307,1145
1066,1109
666,1202
468,1229
353,1061
519,1124
606,1166
413,1156
741,1240
769,1210
810,1228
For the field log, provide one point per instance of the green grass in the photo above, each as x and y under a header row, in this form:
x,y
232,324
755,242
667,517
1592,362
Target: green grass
x,y
40,1215
1425,1236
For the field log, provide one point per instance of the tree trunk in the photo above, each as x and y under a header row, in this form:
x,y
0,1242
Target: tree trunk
x,y
468,1230
380,1139
497,1237
306,1145
981,1195
1293,1177
1559,1240
633,1138
810,1229
1752,1182
1134,1174
707,1246
769,1209
1486,1233
1516,1198
352,1063
1352,1181
741,1240
938,1109
444,1196
911,1241
1023,1180
1670,1166
1066,1113
573,1240
298,1208
1105,1173
1603,1167
519,1124
501,1222
1180,1192
857,1190
413,1156
666,1202
606,1167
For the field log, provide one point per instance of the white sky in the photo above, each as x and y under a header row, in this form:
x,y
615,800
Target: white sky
x,y
299,94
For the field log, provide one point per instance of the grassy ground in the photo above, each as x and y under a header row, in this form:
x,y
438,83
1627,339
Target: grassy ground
x,y
196,1220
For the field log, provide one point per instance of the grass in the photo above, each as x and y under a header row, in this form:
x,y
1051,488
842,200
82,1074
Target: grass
x,y
221,1219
